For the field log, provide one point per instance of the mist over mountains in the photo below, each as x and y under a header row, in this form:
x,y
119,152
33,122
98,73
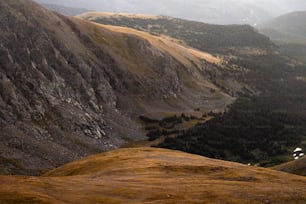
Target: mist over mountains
x,y
209,11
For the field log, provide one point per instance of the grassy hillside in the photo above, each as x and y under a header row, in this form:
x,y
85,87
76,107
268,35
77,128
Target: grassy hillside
x,y
205,37
146,175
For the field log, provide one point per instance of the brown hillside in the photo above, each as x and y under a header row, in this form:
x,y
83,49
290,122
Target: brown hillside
x,y
294,167
149,175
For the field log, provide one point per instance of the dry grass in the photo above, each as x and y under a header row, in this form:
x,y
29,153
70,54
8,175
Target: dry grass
x,y
173,46
186,55
148,175
295,167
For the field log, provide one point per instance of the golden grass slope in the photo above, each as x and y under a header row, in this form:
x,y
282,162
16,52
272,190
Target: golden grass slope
x,y
295,167
151,175
174,47
167,44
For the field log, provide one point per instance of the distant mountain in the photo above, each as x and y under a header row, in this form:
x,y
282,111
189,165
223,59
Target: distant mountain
x,y
210,11
216,12
70,11
151,175
289,28
289,32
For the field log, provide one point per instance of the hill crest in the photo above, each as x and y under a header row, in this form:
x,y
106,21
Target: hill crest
x,y
150,175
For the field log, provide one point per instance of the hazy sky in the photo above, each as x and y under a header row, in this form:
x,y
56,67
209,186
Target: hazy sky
x,y
212,11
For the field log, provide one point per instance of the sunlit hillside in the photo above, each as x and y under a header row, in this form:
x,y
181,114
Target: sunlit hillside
x,y
148,175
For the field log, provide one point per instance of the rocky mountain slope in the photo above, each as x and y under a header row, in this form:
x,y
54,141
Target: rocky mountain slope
x,y
149,175
71,88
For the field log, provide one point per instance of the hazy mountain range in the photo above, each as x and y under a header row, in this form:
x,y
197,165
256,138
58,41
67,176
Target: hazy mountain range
x,y
288,32
290,28
209,11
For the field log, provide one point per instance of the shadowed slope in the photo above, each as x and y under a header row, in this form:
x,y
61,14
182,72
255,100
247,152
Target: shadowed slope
x,y
295,167
148,175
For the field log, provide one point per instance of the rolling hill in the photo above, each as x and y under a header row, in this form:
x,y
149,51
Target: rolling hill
x,y
294,167
149,175
70,88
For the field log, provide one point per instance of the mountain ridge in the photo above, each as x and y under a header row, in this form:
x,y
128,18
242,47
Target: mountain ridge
x,y
217,39
215,12
70,88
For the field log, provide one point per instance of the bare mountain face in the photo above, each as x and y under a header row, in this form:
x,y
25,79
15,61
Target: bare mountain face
x,y
70,88
217,12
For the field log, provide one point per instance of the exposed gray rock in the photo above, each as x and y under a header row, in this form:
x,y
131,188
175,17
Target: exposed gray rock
x,y
64,94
